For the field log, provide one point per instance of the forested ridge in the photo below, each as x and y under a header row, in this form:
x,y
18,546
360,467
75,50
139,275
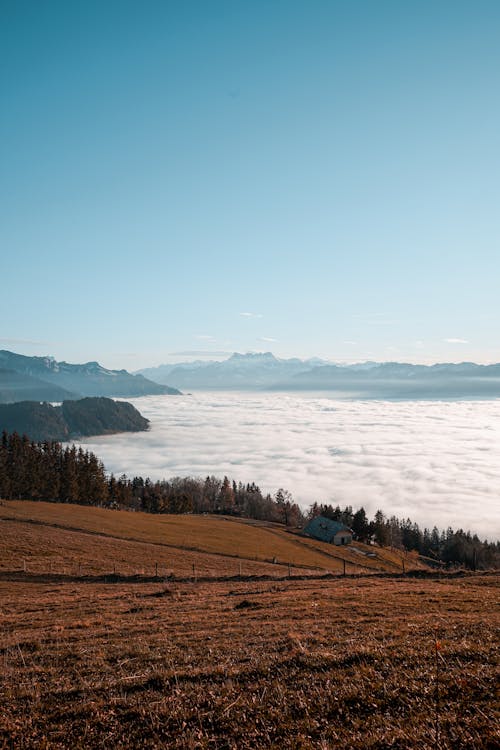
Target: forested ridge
x,y
47,471
96,415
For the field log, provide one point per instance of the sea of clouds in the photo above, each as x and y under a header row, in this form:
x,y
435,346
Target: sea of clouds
x,y
436,462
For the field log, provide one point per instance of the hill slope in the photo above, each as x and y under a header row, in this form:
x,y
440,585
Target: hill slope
x,y
308,664
213,535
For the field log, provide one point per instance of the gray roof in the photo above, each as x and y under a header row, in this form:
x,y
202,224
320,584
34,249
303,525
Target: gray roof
x,y
324,528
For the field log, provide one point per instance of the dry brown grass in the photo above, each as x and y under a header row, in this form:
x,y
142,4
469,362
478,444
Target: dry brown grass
x,y
40,549
214,535
347,663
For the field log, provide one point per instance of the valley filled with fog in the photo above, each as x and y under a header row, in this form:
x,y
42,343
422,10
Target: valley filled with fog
x,y
436,462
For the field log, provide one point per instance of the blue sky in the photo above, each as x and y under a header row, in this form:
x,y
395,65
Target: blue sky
x,y
311,178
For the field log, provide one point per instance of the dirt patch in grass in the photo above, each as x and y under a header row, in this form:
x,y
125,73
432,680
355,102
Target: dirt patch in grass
x,y
247,604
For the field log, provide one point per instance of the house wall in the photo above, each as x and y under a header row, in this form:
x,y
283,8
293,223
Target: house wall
x,y
342,537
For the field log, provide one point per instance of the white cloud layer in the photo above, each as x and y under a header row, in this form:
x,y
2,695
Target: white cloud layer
x,y
436,462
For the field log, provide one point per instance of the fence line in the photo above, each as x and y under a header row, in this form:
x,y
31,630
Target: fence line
x,y
157,570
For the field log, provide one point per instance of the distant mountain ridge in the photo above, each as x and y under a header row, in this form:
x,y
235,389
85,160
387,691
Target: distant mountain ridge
x,y
252,370
402,380
45,379
72,419
386,380
18,386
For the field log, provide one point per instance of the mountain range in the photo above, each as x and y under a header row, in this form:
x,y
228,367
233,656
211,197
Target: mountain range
x,y
384,380
44,379
253,370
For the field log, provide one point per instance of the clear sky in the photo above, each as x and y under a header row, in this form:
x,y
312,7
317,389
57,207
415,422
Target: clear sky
x,y
311,178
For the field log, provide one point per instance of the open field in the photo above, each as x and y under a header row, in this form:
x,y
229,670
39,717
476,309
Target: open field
x,y
211,663
39,550
43,537
345,663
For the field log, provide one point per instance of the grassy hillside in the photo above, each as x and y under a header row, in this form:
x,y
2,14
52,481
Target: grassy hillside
x,y
99,539
39,549
92,660
365,664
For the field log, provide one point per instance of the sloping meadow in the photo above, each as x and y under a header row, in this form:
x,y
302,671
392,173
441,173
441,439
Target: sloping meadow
x,y
350,663
101,540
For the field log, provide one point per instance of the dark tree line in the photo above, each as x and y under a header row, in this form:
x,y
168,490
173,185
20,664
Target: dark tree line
x,y
209,495
46,471
449,547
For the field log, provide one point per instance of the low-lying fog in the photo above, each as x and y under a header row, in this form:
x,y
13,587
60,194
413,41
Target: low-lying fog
x,y
436,462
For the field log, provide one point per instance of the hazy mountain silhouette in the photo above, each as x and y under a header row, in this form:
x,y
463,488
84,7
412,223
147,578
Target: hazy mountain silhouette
x,y
362,380
239,371
17,386
402,380
31,377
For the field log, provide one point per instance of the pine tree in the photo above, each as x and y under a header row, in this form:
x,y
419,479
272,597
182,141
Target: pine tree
x,y
226,496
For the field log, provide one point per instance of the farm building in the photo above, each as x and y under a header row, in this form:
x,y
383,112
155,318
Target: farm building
x,y
326,530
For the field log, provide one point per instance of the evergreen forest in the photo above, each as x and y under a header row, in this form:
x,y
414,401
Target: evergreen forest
x,y
49,471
